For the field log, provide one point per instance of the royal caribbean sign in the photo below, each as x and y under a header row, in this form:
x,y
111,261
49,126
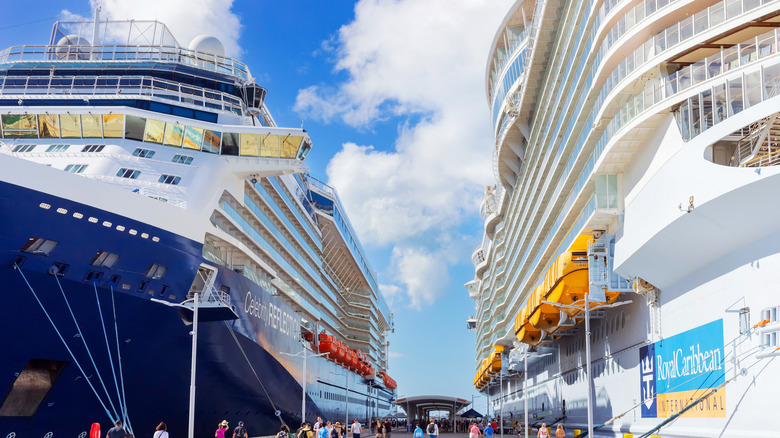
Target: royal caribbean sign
x,y
679,370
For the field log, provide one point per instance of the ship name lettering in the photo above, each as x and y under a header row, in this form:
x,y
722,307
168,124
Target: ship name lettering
x,y
695,362
270,314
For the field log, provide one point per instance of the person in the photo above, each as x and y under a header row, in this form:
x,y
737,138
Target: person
x,y
543,432
357,429
380,433
336,431
433,429
474,430
305,431
240,431
388,427
489,430
117,431
161,431
317,425
559,432
494,425
283,431
324,430
221,429
418,433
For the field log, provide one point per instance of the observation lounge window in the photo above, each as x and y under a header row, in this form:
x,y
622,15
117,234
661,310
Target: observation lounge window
x,y
270,146
174,135
113,125
155,131
250,145
48,126
230,143
211,141
134,128
91,126
128,173
193,138
290,145
70,126
606,191
20,125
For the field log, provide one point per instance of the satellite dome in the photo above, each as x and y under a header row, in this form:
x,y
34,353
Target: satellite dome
x,y
70,47
207,44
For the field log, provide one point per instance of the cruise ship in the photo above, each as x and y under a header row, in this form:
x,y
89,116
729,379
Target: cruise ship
x,y
143,183
636,144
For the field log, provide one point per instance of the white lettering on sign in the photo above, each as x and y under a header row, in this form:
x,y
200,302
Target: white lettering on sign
x,y
272,316
696,362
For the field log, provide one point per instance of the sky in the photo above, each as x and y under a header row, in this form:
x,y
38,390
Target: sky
x,y
392,93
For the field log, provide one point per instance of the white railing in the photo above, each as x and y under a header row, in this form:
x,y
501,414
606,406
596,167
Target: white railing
x,y
81,54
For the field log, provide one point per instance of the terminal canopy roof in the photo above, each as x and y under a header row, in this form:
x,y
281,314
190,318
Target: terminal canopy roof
x,y
420,406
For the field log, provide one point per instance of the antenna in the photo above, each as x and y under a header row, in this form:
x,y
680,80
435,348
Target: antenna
x,y
95,28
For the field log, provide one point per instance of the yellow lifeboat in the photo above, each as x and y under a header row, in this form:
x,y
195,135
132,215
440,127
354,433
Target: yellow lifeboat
x,y
495,360
524,330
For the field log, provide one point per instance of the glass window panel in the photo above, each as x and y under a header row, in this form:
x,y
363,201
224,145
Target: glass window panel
x,y
20,121
717,14
290,146
134,128
695,116
193,138
686,28
155,130
49,125
612,191
706,109
113,125
720,102
269,146
753,88
20,134
90,126
684,121
772,80
174,134
211,141
70,126
601,191
735,96
700,22
250,145
733,8
229,143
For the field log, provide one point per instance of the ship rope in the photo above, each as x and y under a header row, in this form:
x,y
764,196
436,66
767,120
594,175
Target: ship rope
x,y
67,347
119,359
677,385
84,341
276,411
120,398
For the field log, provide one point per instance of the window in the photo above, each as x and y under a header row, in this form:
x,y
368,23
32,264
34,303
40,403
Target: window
x,y
31,387
39,245
143,153
156,271
75,168
93,148
128,173
182,159
606,191
134,128
58,148
169,179
104,259
24,148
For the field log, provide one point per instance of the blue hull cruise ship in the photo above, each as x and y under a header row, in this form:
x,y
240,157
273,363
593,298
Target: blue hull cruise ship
x,y
138,178
626,281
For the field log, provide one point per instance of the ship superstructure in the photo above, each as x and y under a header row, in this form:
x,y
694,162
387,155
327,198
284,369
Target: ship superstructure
x,y
137,173
635,153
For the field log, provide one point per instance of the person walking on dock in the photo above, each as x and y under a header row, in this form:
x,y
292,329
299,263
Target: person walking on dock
x,y
117,431
418,433
474,431
240,431
221,429
161,431
305,431
489,431
357,429
388,427
543,432
559,432
433,429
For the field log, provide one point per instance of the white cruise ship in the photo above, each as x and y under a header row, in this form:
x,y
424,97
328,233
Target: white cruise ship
x,y
636,152
139,177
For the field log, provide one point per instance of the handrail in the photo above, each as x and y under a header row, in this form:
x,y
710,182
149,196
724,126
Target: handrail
x,y
67,54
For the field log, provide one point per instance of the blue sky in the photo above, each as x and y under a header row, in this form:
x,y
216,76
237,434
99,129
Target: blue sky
x,y
392,93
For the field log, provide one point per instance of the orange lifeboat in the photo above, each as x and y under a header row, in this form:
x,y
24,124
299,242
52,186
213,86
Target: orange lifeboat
x,y
389,382
327,344
340,352
309,336
524,330
352,360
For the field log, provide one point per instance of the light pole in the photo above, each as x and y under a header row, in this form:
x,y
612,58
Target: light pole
x,y
587,310
525,387
305,354
194,333
501,397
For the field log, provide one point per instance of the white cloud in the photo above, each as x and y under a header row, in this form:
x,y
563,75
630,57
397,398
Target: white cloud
x,y
186,19
424,62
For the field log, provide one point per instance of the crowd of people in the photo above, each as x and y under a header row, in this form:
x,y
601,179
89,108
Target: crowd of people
x,y
327,429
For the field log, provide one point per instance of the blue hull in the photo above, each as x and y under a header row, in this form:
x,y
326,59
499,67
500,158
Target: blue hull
x,y
154,343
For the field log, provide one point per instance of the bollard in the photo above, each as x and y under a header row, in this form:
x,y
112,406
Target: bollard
x,y
577,432
628,435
